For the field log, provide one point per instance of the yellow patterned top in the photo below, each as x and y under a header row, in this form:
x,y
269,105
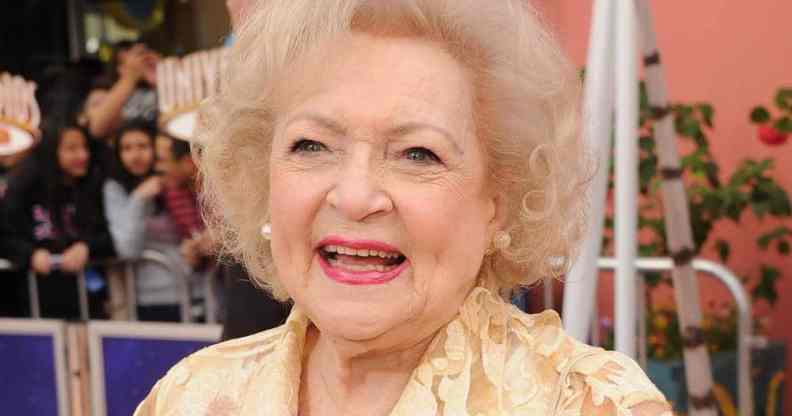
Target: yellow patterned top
x,y
492,359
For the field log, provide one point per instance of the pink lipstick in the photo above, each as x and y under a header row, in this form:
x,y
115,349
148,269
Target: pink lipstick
x,y
360,262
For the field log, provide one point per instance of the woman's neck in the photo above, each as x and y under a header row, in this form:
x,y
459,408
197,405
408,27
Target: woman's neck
x,y
341,378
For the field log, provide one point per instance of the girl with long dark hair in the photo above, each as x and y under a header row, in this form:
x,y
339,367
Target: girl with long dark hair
x,y
138,223
54,222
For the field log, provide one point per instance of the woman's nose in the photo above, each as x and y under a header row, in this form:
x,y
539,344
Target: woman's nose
x,y
357,193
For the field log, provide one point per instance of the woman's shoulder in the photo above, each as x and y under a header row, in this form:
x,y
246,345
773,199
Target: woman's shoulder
x,y
212,376
225,353
587,379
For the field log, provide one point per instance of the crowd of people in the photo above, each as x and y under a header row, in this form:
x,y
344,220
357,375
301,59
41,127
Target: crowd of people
x,y
102,183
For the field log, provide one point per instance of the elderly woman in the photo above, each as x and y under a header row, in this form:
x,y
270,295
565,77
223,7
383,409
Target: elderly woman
x,y
393,167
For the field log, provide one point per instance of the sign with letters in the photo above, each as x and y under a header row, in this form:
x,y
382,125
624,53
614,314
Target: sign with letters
x,y
182,84
20,115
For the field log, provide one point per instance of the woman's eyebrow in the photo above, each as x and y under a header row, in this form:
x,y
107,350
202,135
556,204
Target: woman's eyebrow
x,y
398,131
411,127
322,121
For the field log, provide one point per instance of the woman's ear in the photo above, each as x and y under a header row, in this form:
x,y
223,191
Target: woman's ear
x,y
498,213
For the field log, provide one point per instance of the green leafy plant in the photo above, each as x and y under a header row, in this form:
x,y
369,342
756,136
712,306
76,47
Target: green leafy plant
x,y
775,130
750,188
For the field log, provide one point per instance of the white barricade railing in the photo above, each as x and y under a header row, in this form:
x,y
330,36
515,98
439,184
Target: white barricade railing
x,y
97,331
745,338
54,331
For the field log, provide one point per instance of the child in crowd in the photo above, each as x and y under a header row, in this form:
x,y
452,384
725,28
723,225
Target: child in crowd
x,y
179,175
138,222
175,163
53,223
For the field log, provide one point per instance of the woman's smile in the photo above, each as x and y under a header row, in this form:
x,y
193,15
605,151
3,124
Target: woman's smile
x,y
360,262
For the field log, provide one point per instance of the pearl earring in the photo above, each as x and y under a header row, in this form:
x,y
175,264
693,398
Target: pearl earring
x,y
266,231
502,240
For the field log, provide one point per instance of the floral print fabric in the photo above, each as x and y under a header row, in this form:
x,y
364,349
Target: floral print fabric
x,y
492,359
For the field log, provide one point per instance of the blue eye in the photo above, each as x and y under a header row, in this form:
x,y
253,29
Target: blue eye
x,y
307,146
421,155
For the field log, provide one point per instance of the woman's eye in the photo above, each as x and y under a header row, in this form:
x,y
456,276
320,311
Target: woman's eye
x,y
421,155
307,146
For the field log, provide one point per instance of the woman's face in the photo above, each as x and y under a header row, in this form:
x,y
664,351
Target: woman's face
x,y
136,152
73,154
380,214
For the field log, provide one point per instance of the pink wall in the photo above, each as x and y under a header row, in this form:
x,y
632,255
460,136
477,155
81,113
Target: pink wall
x,y
733,54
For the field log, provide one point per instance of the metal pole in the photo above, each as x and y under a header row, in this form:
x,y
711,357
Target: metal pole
x,y
596,337
641,301
35,308
210,300
149,255
744,331
82,292
131,290
597,126
744,326
626,175
76,29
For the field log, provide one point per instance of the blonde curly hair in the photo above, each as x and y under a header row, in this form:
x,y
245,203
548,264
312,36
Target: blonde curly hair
x,y
526,105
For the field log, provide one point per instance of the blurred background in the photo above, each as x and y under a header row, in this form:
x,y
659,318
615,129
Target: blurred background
x,y
729,73
40,33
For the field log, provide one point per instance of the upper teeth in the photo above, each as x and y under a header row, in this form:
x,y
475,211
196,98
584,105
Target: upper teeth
x,y
360,252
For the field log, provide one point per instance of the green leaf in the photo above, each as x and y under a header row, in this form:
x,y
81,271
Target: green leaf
x,y
749,170
780,205
647,168
691,128
649,250
783,247
707,113
783,99
784,124
765,239
647,144
724,249
683,110
644,95
766,288
653,278
760,115
733,202
766,191
711,202
712,174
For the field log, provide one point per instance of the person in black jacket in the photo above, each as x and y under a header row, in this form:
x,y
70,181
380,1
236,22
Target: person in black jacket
x,y
53,219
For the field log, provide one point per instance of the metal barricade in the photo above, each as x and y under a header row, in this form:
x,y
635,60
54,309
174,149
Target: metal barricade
x,y
33,296
745,339
182,280
131,293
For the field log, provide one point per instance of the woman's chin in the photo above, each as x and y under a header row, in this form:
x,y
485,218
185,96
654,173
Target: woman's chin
x,y
359,312
357,321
